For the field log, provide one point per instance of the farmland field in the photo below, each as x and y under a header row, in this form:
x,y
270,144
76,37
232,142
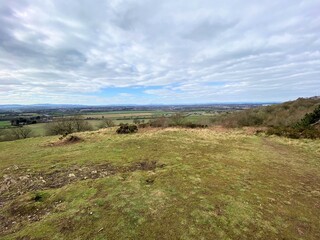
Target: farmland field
x,y
169,184
4,124
122,117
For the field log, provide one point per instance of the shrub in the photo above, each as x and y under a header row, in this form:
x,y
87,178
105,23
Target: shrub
x,y
309,119
107,123
144,125
296,133
126,129
177,119
159,122
194,125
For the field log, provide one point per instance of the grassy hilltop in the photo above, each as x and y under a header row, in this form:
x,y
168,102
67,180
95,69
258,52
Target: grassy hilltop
x,y
160,184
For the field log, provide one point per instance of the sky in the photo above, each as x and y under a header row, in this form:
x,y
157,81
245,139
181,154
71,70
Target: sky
x,y
158,52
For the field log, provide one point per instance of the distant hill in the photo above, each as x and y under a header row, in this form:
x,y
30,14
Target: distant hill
x,y
15,107
284,114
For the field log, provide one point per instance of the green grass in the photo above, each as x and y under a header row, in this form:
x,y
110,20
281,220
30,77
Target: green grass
x,y
213,185
5,124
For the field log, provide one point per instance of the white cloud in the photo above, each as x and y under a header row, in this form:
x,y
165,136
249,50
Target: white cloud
x,y
68,51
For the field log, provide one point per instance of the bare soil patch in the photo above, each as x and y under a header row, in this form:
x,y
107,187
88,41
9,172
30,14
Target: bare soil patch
x,y
70,139
18,182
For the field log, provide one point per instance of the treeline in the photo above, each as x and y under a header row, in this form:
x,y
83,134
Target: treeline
x,y
62,126
176,120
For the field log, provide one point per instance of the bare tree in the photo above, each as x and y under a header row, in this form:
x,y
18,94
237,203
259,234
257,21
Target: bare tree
x,y
107,123
69,125
136,121
177,119
21,132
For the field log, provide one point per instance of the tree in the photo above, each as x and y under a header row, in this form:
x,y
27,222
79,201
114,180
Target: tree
x,y
159,122
107,123
136,121
177,119
69,125
21,132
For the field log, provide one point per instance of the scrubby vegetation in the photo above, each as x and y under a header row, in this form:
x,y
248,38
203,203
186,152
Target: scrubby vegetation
x,y
307,127
278,115
295,119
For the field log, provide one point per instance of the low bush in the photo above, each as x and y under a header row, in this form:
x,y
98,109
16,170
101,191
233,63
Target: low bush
x,y
296,133
159,122
144,125
126,129
194,125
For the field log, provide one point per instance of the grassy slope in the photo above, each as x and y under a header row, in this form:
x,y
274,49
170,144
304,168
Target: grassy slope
x,y
214,184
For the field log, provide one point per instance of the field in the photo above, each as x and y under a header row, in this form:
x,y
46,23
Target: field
x,y
160,184
118,117
4,124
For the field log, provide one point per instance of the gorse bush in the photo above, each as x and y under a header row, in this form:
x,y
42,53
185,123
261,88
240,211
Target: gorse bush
x,y
305,128
126,129
296,133
309,119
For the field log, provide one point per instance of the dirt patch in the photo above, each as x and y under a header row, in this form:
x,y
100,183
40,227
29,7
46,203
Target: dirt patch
x,y
70,139
20,181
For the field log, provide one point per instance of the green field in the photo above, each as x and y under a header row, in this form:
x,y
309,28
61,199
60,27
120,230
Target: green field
x,y
5,124
121,117
160,184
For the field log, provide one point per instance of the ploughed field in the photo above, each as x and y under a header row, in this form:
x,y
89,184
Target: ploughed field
x,y
160,184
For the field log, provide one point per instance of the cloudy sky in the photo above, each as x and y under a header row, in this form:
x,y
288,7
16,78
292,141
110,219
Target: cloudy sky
x,y
152,51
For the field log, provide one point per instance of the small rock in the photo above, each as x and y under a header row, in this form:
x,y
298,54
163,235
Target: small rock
x,y
94,172
104,173
71,175
272,200
287,202
23,178
315,193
